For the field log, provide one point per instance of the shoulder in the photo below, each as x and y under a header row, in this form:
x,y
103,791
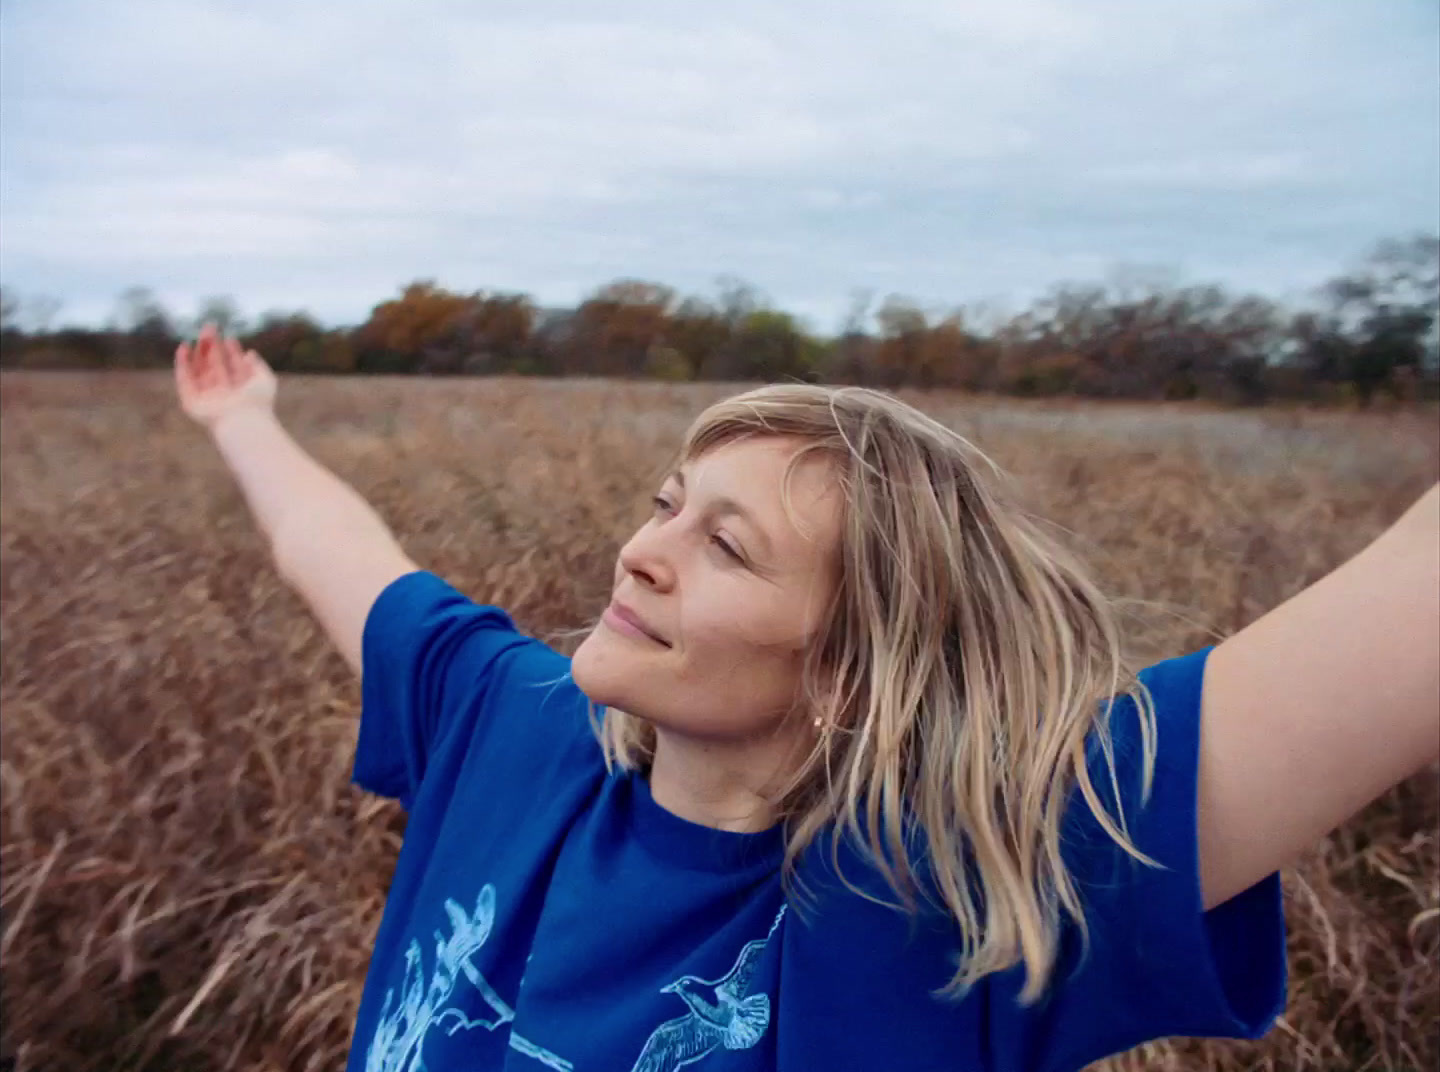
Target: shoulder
x,y
423,628
448,679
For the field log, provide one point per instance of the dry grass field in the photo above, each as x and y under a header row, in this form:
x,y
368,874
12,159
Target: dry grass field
x,y
187,879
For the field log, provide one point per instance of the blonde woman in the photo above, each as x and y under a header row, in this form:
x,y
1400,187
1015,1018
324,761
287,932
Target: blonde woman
x,y
849,775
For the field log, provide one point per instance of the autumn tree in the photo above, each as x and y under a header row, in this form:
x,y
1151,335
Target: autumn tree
x,y
398,331
1150,342
771,345
916,350
615,329
146,333
739,335
294,342
1382,319
493,334
699,335
431,330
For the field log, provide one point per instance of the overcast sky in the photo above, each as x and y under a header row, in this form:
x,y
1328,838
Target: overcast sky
x,y
318,155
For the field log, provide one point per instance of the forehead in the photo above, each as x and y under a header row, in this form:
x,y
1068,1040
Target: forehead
x,y
796,499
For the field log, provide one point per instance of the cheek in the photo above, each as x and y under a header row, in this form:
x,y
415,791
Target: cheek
x,y
734,658
766,633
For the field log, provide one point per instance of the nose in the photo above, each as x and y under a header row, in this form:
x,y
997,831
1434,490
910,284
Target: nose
x,y
647,558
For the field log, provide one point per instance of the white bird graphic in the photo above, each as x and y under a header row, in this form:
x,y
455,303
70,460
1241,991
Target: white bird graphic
x,y
400,1033
722,1015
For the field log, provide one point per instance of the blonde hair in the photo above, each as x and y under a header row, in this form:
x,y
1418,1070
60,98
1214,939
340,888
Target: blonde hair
x,y
965,662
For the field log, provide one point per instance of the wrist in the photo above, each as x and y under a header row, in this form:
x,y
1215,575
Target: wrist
x,y
239,420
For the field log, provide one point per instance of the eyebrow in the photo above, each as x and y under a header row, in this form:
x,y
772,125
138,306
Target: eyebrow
x,y
723,504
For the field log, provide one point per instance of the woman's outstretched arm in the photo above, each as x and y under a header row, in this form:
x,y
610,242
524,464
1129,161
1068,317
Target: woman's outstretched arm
x,y
328,543
1321,705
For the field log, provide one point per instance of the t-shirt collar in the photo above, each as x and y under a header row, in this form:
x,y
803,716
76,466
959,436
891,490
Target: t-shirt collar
x,y
694,846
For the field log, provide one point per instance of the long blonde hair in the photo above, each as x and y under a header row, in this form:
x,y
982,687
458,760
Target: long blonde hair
x,y
964,664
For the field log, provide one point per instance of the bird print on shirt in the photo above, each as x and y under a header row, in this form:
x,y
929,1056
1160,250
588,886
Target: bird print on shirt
x,y
722,1014
435,1009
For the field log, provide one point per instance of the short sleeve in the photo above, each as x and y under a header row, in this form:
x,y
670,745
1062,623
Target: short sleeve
x,y
429,655
1157,964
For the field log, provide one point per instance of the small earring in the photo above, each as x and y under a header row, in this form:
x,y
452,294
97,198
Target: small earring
x,y
819,722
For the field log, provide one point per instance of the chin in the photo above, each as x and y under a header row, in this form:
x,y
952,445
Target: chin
x,y
598,672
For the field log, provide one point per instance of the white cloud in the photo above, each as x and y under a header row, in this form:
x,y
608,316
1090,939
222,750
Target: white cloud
x,y
325,153
1218,171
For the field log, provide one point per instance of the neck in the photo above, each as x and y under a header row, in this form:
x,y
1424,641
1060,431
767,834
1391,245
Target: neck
x,y
723,786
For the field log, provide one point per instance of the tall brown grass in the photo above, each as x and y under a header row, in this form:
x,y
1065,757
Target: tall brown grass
x,y
188,881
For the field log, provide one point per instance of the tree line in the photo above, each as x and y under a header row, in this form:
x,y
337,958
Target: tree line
x,y
1374,330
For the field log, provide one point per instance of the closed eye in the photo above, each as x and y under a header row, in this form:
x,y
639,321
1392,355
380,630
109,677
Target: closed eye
x,y
729,551
665,506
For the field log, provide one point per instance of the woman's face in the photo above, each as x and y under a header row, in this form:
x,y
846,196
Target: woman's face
x,y
727,591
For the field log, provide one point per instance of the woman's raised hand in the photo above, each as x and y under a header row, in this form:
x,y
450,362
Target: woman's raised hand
x,y
217,376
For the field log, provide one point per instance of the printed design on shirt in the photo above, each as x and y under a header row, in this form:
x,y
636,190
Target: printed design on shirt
x,y
722,1014
401,1031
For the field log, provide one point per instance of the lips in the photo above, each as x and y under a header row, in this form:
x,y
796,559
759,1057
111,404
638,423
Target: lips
x,y
628,617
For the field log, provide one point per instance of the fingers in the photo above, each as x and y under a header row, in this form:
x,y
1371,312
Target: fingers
x,y
202,362
213,363
237,369
255,362
182,370
206,363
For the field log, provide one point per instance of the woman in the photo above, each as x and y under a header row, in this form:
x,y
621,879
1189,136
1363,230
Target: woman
x,y
849,775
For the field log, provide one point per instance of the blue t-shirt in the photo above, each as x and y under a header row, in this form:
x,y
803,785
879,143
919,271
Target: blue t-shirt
x,y
546,913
